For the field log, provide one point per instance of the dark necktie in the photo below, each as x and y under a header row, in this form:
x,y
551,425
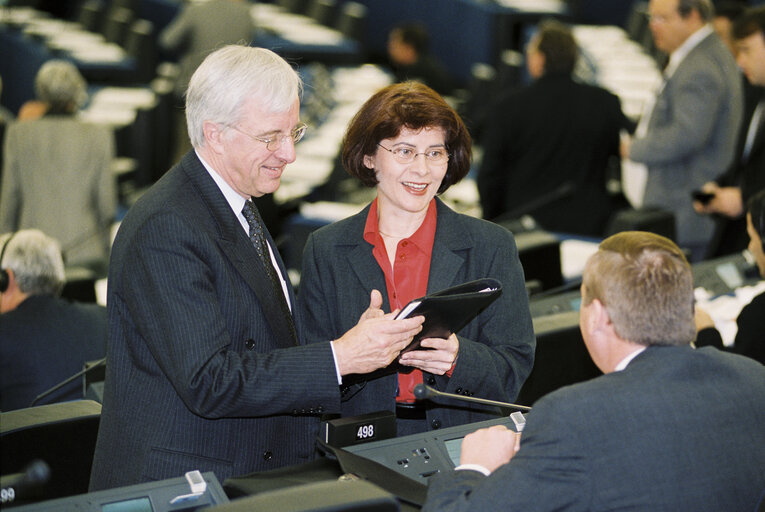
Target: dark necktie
x,y
258,239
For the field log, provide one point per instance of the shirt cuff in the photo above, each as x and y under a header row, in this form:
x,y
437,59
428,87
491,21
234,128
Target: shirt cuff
x,y
337,368
473,467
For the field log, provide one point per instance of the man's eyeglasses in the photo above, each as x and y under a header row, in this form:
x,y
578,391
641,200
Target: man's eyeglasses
x,y
276,142
406,155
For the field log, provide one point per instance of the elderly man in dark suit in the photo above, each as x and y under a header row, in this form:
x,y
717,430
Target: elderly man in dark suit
x,y
44,339
668,428
205,369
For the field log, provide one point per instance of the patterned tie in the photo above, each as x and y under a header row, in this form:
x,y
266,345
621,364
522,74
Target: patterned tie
x,y
258,239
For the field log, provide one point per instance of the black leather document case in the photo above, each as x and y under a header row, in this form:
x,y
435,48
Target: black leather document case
x,y
449,310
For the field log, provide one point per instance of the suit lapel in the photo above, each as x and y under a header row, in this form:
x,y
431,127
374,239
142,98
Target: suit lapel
x,y
360,259
234,243
446,262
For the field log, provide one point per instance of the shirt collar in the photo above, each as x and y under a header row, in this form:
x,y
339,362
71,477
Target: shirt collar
x,y
624,362
679,54
422,238
235,201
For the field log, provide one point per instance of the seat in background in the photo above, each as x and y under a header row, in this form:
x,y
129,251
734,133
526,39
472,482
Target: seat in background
x,y
61,435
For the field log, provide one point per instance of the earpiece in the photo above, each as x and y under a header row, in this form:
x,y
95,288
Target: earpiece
x,y
4,277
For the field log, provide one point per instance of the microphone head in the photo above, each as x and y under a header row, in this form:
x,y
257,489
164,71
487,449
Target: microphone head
x,y
421,392
37,472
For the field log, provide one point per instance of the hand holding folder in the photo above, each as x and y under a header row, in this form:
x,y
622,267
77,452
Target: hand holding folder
x,y
449,310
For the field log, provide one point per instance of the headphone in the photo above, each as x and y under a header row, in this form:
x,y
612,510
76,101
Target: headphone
x,y
5,279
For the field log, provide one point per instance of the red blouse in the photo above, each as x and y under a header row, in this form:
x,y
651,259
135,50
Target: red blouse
x,y
408,279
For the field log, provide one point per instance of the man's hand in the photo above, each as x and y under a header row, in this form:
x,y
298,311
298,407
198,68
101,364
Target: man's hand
x,y
727,201
376,340
490,447
437,361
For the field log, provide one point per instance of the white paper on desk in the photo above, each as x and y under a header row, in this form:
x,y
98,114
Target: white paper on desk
x,y
725,309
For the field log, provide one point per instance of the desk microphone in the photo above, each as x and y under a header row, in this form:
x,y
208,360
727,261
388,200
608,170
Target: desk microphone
x,y
47,392
16,486
424,392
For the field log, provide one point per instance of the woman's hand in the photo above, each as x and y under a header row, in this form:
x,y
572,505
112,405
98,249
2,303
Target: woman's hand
x,y
438,360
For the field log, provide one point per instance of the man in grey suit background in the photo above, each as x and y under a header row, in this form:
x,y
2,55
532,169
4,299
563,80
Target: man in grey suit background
x,y
198,29
204,367
690,133
668,428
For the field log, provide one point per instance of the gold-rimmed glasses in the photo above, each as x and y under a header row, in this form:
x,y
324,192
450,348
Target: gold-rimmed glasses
x,y
406,154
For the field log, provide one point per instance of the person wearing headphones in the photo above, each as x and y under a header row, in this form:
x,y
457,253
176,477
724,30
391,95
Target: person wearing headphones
x,y
43,338
751,321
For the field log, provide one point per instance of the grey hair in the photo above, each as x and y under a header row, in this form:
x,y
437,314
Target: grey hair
x,y
705,8
229,76
36,261
61,86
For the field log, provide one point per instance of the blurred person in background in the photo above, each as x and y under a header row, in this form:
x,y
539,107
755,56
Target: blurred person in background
x,y
57,173
549,147
44,339
688,136
746,175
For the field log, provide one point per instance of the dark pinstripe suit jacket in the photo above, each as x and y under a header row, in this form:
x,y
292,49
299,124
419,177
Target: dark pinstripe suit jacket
x,y
496,349
202,372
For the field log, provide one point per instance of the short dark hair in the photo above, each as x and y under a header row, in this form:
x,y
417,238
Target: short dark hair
x,y
705,8
556,42
411,105
414,35
730,10
749,23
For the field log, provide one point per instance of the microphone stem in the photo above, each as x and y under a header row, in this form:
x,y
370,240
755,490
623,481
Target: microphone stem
x,y
484,401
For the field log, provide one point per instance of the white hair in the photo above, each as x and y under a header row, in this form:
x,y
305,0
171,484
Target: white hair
x,y
36,261
229,76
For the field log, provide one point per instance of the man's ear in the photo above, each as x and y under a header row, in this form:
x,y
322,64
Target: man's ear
x,y
600,317
213,133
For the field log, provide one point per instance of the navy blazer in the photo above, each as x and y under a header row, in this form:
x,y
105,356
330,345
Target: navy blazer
x,y
678,429
204,371
496,350
44,341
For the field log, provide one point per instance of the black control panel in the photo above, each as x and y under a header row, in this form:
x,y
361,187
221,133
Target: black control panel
x,y
193,492
420,456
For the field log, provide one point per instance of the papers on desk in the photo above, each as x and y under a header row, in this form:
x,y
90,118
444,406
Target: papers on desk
x,y
295,28
541,6
725,309
573,256
329,211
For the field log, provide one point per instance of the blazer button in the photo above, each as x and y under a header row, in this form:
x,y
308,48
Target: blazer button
x,y
458,390
320,409
467,393
267,455
436,424
431,381
250,344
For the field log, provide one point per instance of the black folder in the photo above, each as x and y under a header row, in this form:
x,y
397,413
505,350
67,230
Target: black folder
x,y
449,310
